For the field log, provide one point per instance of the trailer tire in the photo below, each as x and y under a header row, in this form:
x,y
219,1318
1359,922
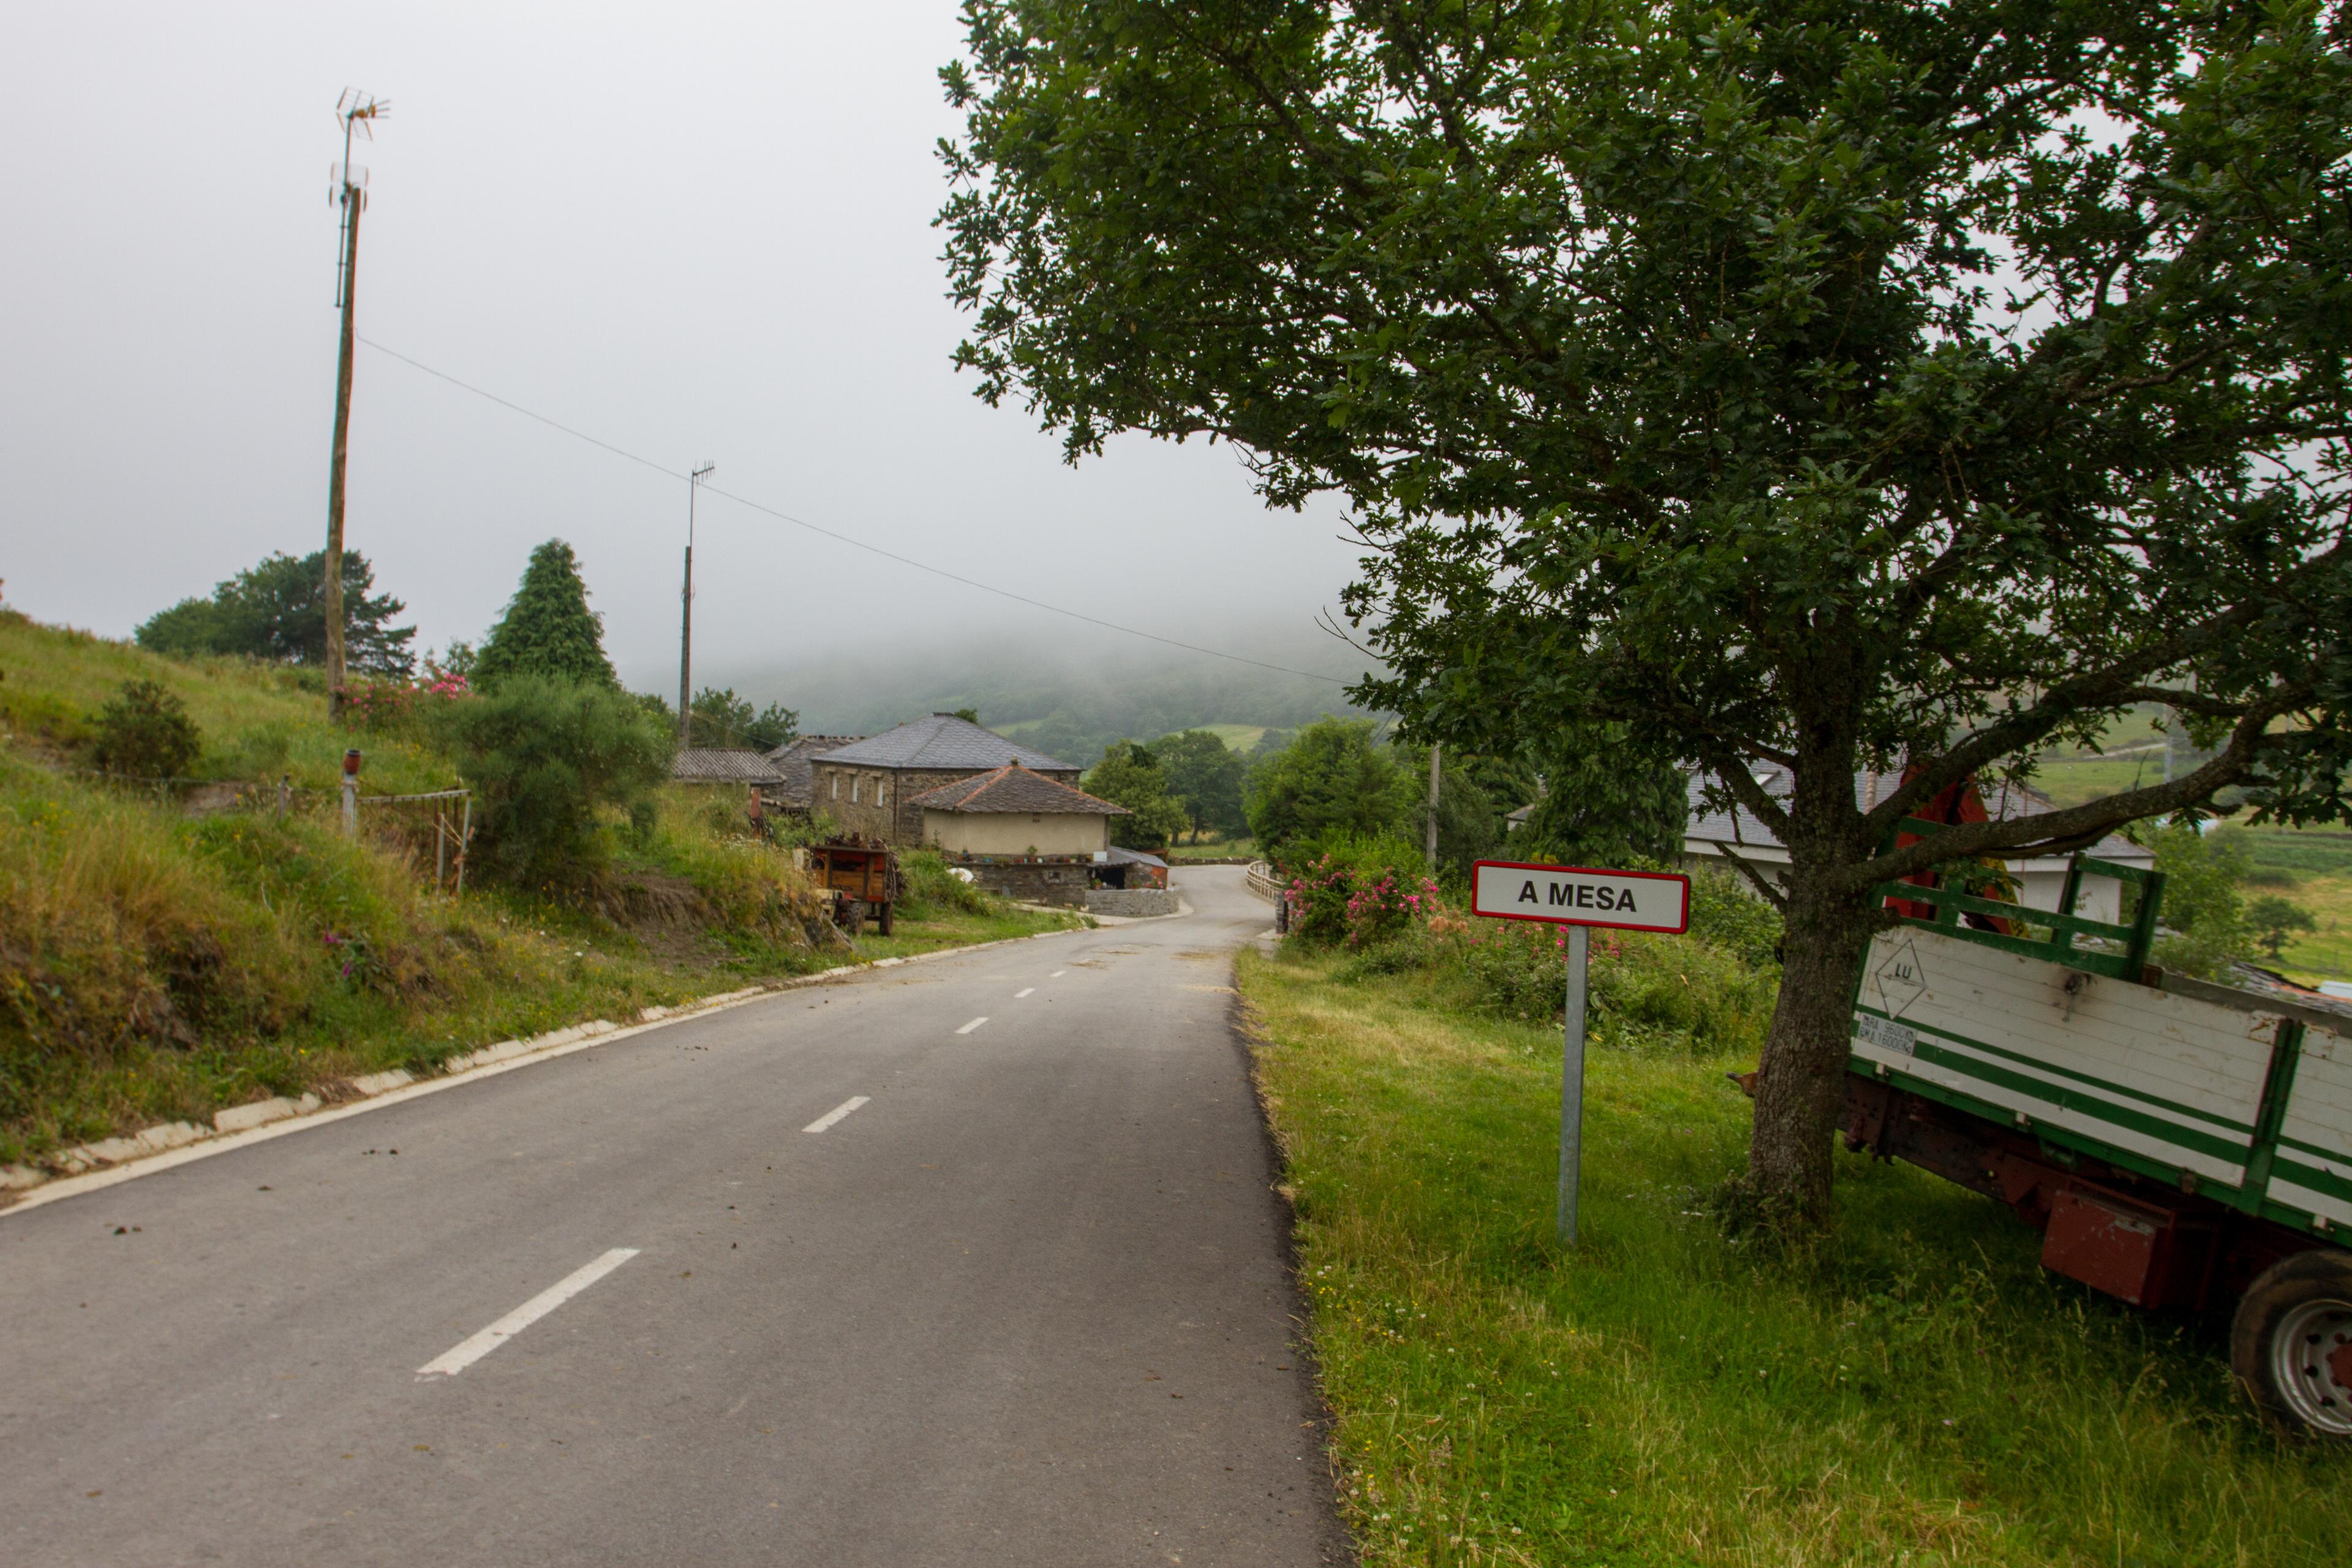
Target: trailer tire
x,y
853,916
2291,1344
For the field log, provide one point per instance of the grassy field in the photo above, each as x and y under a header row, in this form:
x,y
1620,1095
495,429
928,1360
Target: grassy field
x,y
1213,848
1920,1392
2325,954
1238,737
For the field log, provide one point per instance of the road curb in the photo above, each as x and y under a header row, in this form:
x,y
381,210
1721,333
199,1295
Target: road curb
x,y
114,1161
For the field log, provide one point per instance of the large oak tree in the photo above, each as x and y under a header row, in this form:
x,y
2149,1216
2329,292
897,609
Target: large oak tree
x,y
1826,384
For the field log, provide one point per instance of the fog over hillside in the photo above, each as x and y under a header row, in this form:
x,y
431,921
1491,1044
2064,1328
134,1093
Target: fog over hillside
x,y
1069,694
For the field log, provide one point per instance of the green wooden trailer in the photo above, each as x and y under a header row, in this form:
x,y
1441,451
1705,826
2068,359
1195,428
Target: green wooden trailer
x,y
2180,1143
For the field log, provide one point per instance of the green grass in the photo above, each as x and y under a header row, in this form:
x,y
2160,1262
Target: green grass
x,y
1236,737
1213,848
259,722
2325,954
155,966
1920,1392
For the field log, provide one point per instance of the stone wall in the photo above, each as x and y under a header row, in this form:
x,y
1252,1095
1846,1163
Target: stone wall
x,y
1034,881
1131,901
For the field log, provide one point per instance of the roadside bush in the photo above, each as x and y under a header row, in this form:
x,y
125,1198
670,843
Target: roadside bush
x,y
1356,888
931,888
145,732
551,762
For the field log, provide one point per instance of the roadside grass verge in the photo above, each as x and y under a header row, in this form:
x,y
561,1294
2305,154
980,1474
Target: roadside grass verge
x,y
1917,1391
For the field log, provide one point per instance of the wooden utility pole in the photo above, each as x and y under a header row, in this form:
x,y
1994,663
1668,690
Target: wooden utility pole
x,y
686,613
357,112
334,595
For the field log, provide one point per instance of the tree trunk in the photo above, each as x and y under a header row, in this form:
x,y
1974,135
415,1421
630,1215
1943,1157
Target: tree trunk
x,y
1800,1088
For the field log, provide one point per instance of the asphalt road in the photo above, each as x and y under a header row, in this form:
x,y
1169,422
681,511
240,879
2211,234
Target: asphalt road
x,y
1027,1304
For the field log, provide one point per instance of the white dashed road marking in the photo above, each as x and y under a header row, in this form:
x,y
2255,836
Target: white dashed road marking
x,y
837,1113
975,1024
1024,991
468,1351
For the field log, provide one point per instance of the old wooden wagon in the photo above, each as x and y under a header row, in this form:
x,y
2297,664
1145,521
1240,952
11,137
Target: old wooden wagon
x,y
862,877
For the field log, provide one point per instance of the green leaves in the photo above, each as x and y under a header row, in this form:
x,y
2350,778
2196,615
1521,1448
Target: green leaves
x,y
1829,385
548,629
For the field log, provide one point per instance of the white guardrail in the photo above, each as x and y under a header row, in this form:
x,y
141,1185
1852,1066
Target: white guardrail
x,y
1262,882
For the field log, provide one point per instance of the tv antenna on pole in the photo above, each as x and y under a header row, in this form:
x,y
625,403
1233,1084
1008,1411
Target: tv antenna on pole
x,y
359,111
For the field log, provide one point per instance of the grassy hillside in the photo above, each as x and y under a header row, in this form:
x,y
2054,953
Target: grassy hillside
x,y
259,722
156,965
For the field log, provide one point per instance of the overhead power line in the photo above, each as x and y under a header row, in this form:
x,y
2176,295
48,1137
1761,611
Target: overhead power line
x,y
508,402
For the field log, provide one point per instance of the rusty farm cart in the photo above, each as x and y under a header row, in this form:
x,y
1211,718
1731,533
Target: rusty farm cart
x,y
861,877
2178,1143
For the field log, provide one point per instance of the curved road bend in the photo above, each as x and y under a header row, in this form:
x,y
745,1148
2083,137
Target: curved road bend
x,y
1025,1304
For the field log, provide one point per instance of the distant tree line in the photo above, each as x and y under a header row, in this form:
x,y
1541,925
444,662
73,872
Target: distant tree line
x,y
278,610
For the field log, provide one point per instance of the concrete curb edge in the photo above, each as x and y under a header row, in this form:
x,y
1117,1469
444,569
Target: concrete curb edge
x,y
167,1144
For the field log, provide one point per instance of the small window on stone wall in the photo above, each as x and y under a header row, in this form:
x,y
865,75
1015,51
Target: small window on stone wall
x,y
854,779
881,792
836,786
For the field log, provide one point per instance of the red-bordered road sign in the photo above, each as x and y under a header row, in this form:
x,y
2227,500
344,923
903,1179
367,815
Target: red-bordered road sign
x,y
1581,896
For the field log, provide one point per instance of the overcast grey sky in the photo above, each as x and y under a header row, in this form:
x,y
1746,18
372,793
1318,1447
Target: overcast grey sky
x,y
696,231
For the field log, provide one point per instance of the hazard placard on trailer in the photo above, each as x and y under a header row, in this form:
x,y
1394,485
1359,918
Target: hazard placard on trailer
x,y
1578,895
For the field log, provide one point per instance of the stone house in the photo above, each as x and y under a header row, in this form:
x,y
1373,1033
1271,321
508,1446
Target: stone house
x,y
794,763
869,787
1021,834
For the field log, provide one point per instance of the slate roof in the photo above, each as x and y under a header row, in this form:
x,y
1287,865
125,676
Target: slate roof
x,y
793,759
1013,788
1119,856
944,740
1739,828
712,764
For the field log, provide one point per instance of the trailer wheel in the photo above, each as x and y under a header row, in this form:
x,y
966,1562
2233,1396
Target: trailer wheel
x,y
883,920
2291,1343
853,916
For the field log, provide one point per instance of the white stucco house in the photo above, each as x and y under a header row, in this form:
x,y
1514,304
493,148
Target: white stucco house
x,y
1713,837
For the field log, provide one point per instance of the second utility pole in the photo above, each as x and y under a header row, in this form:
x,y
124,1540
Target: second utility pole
x,y
686,614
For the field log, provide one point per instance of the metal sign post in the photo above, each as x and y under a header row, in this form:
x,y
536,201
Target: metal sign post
x,y
1579,897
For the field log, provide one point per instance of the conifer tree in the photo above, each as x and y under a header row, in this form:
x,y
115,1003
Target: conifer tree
x,y
548,628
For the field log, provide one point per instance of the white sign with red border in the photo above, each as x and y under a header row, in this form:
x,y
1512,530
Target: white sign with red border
x,y
1581,896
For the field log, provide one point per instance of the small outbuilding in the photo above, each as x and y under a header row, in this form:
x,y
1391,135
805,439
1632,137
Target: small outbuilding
x,y
1020,833
718,765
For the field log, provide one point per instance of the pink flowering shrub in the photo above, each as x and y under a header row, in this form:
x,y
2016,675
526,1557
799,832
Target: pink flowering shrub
x,y
392,707
1317,903
1388,905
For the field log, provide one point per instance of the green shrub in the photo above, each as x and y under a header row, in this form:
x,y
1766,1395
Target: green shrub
x,y
145,732
551,763
931,888
1726,912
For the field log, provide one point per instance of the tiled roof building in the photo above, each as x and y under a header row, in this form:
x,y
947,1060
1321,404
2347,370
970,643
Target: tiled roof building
x,y
714,765
870,787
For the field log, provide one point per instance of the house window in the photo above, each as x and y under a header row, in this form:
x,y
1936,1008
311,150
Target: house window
x,y
836,786
854,779
880,786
